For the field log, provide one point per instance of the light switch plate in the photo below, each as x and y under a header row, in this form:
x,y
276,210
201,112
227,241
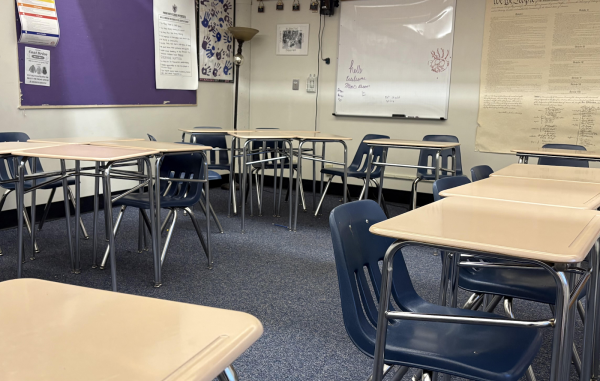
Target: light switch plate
x,y
296,84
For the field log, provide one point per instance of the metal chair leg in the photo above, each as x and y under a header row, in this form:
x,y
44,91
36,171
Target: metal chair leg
x,y
115,231
166,221
229,374
46,209
169,236
83,231
199,232
28,224
213,214
414,193
3,199
323,196
258,194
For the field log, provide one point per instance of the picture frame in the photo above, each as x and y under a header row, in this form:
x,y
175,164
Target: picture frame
x,y
292,39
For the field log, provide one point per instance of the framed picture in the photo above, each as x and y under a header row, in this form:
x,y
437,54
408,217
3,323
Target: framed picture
x,y
215,53
292,40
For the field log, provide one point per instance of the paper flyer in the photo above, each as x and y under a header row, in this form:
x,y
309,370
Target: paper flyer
x,y
37,67
39,22
175,57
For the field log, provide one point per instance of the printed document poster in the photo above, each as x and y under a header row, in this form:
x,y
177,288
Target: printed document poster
x,y
39,22
37,67
175,57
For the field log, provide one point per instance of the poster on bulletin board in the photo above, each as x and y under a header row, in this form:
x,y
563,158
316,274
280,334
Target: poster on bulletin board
x,y
216,43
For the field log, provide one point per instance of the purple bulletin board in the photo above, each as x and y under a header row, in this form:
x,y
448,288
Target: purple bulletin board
x,y
105,57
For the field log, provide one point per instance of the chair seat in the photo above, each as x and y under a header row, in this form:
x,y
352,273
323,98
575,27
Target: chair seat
x,y
29,184
212,175
467,350
355,174
530,284
142,201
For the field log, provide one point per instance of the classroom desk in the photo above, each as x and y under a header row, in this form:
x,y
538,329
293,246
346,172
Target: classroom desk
x,y
577,195
80,139
54,331
193,131
105,158
555,239
317,137
524,154
265,135
407,144
550,172
164,149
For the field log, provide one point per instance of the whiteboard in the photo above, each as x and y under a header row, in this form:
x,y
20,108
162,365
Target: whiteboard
x,y
395,58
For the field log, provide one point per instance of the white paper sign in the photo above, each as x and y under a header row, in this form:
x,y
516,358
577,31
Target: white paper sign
x,y
175,57
37,67
39,22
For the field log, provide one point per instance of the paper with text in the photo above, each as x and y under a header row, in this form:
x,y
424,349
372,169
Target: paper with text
x,y
39,22
540,75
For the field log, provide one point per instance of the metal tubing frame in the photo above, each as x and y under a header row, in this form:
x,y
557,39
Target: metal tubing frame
x,y
563,331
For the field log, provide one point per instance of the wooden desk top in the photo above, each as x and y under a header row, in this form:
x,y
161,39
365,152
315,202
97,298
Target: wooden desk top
x,y
568,153
10,147
412,143
86,152
532,191
54,331
264,134
529,231
159,146
550,172
312,135
211,131
79,139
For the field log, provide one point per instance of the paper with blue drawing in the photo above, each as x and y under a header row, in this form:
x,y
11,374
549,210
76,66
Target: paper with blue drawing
x,y
216,43
176,63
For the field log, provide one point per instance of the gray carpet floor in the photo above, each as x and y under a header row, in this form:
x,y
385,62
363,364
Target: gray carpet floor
x,y
288,280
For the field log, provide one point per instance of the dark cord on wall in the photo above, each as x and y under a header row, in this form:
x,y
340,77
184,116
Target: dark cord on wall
x,y
319,59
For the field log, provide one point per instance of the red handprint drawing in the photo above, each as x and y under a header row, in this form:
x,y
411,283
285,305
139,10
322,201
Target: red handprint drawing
x,y
440,60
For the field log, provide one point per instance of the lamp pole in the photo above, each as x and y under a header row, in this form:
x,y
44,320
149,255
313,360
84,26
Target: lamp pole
x,y
238,64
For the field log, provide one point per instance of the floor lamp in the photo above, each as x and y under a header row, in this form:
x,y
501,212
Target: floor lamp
x,y
241,35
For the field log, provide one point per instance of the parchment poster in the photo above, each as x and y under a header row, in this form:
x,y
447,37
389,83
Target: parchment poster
x,y
540,75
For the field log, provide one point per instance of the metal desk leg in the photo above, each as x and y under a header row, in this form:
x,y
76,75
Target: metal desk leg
x,y
365,192
141,228
243,186
322,174
33,207
111,236
591,317
20,209
454,161
156,232
95,222
438,165
560,328
345,187
77,215
381,177
63,169
314,177
291,181
299,174
260,193
207,199
454,261
282,163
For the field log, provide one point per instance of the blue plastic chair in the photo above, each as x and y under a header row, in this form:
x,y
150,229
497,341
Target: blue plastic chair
x,y
358,167
174,195
427,156
564,162
8,171
212,175
219,156
463,350
481,172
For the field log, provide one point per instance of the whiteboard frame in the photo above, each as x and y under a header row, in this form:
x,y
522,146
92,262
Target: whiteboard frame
x,y
336,114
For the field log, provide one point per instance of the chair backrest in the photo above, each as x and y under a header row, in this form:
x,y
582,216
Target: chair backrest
x,y
448,183
427,156
215,141
481,172
151,138
7,169
257,146
360,161
183,166
564,162
357,255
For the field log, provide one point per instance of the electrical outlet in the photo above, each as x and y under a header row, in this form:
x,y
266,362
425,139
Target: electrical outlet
x,y
311,84
295,84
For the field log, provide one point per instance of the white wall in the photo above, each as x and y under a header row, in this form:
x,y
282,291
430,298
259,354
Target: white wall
x,y
215,105
274,103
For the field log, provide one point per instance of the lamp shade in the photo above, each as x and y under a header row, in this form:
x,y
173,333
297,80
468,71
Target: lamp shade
x,y
241,33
